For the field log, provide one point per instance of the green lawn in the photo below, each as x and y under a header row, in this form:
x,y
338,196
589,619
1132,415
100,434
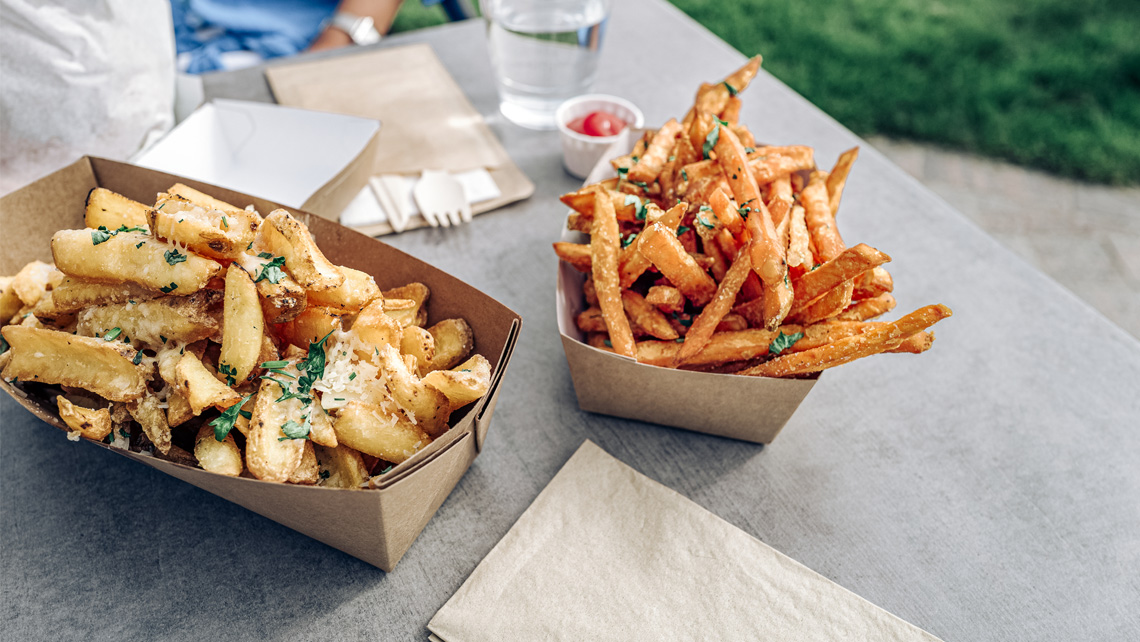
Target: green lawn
x,y
1053,84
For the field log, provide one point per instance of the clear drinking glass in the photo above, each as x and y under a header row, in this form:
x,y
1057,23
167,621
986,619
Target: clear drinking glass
x,y
543,52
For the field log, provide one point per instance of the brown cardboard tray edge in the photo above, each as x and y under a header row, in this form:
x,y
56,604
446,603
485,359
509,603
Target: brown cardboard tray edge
x,y
432,473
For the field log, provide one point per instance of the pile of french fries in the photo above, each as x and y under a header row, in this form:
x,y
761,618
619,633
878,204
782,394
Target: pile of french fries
x,y
205,334
711,252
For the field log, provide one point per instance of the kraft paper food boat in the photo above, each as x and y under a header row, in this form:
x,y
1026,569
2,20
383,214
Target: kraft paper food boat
x,y
377,526
748,408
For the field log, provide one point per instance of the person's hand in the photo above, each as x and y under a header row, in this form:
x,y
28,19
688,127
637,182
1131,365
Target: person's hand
x,y
330,38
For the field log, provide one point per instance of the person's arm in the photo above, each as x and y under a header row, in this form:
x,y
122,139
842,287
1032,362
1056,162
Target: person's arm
x,y
382,12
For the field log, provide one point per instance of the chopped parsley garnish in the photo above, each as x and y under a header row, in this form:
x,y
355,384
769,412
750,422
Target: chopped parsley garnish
x,y
783,342
162,338
749,150
641,184
138,358
684,175
704,222
324,474
3,345
174,256
225,224
225,421
631,199
622,171
140,244
609,344
386,469
744,211
629,239
352,376
681,230
162,206
710,141
732,91
230,372
264,255
101,235
274,365
112,334
167,289
271,271
679,340
294,430
312,368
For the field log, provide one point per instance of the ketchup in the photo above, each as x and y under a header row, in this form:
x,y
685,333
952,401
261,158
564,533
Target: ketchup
x,y
598,123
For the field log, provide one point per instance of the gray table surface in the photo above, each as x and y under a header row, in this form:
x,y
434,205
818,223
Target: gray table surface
x,y
987,490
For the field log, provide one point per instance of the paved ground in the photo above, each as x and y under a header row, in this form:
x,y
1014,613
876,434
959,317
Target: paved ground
x,y
1087,237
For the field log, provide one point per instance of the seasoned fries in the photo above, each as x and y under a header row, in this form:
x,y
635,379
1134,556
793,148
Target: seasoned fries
x,y
197,331
746,272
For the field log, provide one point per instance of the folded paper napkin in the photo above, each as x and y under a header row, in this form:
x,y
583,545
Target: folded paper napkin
x,y
605,553
428,123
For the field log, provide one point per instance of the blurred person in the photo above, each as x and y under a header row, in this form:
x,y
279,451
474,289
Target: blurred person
x,y
214,35
81,77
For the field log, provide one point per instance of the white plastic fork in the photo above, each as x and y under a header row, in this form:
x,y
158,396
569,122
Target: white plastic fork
x,y
441,199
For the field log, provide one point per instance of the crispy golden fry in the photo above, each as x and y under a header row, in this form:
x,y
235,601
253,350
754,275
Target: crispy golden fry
x,y
868,309
464,384
74,294
269,453
222,457
732,322
340,467
90,423
837,178
649,166
827,306
383,433
646,318
150,415
156,321
849,264
131,257
871,284
454,340
105,368
111,210
31,282
666,297
47,312
591,320
714,100
576,254
308,471
769,163
731,112
799,251
631,262
244,326
604,247
820,222
706,322
419,343
427,405
660,245
578,223
310,326
780,200
282,299
200,199
201,387
282,235
321,431
178,410
376,328
916,343
768,257
351,296
216,234
723,347
727,212
880,339
415,315
10,302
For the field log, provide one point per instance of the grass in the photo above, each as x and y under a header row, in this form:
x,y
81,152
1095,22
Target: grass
x,y
1052,84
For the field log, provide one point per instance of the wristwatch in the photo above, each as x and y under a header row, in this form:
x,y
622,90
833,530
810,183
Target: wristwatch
x,y
361,29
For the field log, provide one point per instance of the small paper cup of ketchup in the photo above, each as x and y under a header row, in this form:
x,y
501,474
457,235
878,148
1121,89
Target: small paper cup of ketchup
x,y
589,125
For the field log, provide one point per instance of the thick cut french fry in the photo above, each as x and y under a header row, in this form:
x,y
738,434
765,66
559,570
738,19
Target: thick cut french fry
x,y
847,265
351,296
200,199
74,294
591,320
282,235
660,245
222,457
321,431
576,254
706,322
649,166
112,210
428,406
723,347
375,328
269,453
827,306
340,467
837,178
769,163
282,298
243,326
409,315
383,433
466,383
105,368
31,282
201,387
131,257
604,248
768,257
10,302
871,284
419,343
148,412
780,200
880,339
48,313
646,318
178,410
666,297
820,222
799,250
90,423
631,262
212,233
309,326
714,100
727,212
308,471
454,340
868,309
156,321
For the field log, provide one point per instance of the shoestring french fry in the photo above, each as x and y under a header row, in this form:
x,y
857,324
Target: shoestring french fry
x,y
728,254
199,332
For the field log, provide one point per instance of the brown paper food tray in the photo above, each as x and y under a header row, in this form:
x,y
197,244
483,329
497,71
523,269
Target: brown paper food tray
x,y
377,526
748,408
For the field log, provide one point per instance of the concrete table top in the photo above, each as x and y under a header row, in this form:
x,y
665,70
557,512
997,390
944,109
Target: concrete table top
x,y
986,490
